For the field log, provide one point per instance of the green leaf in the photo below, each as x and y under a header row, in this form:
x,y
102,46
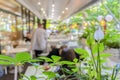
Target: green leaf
x,y
33,78
7,58
75,60
55,58
67,71
50,74
83,53
101,47
94,49
22,57
80,51
90,40
5,63
46,59
83,56
75,70
66,62
102,60
55,64
105,55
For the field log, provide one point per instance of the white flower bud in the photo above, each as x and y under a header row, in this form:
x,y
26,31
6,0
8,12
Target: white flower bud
x,y
99,34
99,18
109,18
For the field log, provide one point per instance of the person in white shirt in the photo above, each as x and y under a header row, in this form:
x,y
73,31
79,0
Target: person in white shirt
x,y
39,40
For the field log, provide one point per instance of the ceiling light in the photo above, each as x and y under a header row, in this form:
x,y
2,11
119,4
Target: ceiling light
x,y
66,8
39,3
42,9
53,5
53,10
63,12
43,12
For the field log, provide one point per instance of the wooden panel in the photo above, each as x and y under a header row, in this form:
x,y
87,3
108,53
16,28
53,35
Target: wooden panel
x,y
10,5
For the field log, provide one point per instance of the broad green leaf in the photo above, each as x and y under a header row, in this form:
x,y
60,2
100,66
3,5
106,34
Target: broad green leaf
x,y
66,62
83,56
81,51
33,78
46,59
102,60
75,70
22,57
7,58
93,73
6,63
55,58
67,71
90,40
50,74
75,60
105,55
90,61
95,48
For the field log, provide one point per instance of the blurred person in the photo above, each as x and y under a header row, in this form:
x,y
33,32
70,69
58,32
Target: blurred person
x,y
48,32
61,49
54,51
39,40
68,54
28,37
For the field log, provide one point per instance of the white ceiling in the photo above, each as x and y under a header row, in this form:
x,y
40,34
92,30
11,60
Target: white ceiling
x,y
55,9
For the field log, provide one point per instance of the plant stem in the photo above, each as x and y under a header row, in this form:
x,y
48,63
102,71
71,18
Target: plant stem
x,y
62,70
99,63
93,58
115,76
79,67
113,72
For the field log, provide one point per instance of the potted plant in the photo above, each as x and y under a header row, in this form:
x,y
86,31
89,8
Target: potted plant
x,y
19,60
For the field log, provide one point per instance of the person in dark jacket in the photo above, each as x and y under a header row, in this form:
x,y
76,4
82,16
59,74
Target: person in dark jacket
x,y
54,51
67,55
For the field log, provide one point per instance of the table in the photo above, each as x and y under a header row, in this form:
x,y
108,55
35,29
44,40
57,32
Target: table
x,y
13,51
